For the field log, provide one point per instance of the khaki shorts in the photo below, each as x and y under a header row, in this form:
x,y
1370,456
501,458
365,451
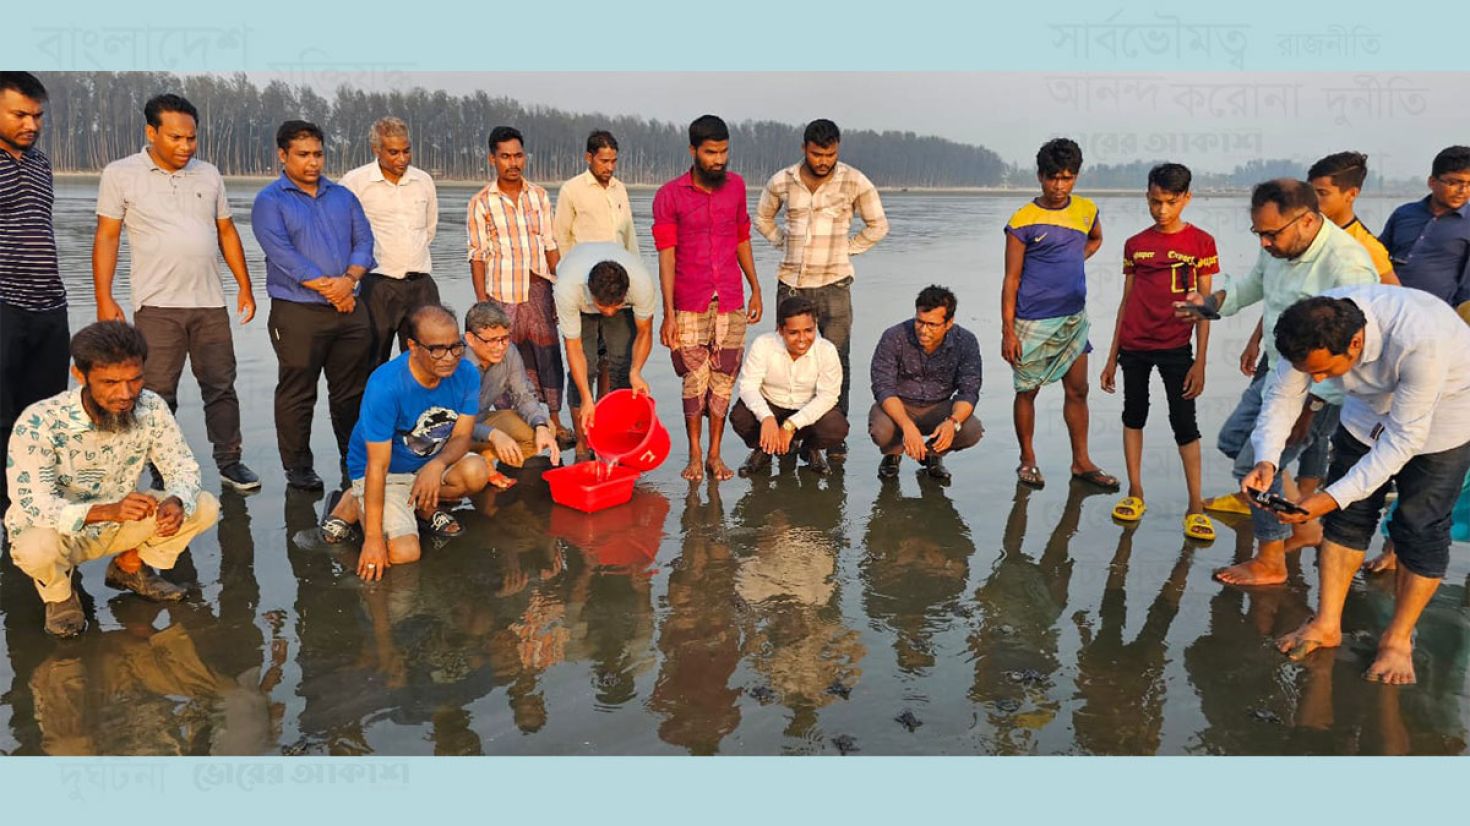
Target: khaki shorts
x,y
398,516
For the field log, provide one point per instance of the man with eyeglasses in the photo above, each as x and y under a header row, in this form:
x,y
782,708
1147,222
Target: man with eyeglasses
x,y
410,450
511,425
1429,240
1302,255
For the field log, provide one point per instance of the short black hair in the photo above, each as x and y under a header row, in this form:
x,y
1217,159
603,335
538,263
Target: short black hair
x,y
1451,159
501,134
424,312
25,83
1059,155
1287,194
1170,177
1348,170
158,104
295,129
105,343
707,128
821,132
601,139
793,306
934,296
1317,323
608,283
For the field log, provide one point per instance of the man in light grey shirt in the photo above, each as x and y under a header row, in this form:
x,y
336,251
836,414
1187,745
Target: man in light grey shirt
x,y
174,209
1400,355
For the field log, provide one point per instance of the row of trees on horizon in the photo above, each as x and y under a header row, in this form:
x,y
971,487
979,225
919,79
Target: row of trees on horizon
x,y
97,117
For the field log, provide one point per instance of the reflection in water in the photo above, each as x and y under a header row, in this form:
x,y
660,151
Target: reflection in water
x,y
699,638
794,634
914,569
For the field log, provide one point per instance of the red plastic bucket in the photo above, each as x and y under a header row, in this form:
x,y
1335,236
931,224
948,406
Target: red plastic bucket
x,y
591,486
626,430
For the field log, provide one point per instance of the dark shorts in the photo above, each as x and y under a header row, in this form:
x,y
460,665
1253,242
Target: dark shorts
x,y
1173,366
1420,528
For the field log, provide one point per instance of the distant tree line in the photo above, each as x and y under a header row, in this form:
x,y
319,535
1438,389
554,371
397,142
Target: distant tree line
x,y
97,117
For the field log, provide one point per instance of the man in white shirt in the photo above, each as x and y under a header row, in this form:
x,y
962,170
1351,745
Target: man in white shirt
x,y
601,287
402,207
1400,354
789,385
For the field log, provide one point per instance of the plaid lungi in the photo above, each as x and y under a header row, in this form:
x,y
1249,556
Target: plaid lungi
x,y
1049,346
711,345
533,332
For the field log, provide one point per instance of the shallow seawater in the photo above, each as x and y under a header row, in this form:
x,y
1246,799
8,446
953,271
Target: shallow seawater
x,y
787,614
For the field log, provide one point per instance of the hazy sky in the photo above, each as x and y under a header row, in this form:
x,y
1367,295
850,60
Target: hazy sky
x,y
1209,121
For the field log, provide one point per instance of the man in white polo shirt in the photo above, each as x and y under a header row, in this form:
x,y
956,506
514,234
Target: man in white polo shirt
x,y
1400,354
789,386
174,209
602,289
402,207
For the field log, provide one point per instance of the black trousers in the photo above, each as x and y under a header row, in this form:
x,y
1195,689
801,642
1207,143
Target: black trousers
x,y
1173,366
825,432
35,354
389,302
310,339
202,335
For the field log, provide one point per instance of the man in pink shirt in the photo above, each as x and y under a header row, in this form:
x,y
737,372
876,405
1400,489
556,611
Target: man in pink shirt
x,y
701,227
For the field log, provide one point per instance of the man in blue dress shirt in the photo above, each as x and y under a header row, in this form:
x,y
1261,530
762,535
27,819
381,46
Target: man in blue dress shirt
x,y
317,245
1429,240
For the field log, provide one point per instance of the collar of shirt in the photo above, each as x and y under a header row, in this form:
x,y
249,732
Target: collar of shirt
x,y
793,174
590,180
1314,249
322,185
77,420
190,168
410,175
1372,340
1425,202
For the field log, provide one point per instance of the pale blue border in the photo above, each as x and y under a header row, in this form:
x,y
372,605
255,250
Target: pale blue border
x,y
659,36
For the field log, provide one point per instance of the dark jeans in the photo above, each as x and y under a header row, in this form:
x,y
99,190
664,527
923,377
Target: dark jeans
x,y
1173,366
825,432
888,436
834,322
617,333
389,302
1428,487
310,339
35,353
202,335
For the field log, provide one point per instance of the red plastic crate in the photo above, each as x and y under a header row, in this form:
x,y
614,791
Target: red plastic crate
x,y
579,486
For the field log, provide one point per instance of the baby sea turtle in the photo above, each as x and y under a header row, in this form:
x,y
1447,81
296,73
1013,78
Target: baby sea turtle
x,y
838,688
1265,715
763,694
1028,676
908,720
1008,705
845,744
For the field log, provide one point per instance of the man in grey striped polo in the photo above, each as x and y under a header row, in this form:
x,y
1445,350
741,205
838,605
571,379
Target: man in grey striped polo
x,y
174,209
34,338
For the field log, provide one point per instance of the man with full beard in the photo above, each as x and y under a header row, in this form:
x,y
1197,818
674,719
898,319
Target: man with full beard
x,y
701,227
73,466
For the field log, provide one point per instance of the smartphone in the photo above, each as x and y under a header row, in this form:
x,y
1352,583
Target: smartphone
x,y
1272,502
1203,312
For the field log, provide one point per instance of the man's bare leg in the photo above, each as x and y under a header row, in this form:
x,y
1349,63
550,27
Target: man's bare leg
x,y
1384,562
1023,412
1307,534
718,471
1338,565
1076,415
1267,567
1395,662
694,471
1189,455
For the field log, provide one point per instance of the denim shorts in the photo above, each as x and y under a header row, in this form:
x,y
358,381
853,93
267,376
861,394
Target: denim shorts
x,y
1428,487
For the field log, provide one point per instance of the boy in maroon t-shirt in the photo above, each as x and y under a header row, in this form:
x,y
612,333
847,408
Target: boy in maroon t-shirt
x,y
1160,266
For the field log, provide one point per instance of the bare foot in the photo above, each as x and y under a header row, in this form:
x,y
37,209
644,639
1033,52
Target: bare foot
x,y
1383,563
718,470
1306,535
1252,572
1311,636
693,471
1394,665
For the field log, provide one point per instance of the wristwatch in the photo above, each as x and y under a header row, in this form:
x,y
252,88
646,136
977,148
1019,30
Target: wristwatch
x,y
1315,404
956,422
788,426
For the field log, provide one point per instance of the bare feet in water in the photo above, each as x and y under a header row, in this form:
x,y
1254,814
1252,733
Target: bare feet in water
x,y
718,470
1394,664
1252,572
1383,563
694,471
1311,636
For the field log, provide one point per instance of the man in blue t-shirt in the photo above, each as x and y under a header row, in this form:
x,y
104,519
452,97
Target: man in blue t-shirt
x,y
410,449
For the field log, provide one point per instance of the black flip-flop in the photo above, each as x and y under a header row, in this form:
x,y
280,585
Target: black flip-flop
x,y
1097,477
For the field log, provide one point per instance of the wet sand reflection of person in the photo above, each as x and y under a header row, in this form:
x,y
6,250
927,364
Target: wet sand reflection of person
x,y
914,568
791,531
1015,645
699,636
1121,685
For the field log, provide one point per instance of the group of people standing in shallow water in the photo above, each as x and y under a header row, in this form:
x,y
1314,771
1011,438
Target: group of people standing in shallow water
x,y
1358,380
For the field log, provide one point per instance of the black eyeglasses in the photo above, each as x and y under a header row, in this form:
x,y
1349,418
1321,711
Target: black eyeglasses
x,y
1270,234
500,339
1454,183
439,351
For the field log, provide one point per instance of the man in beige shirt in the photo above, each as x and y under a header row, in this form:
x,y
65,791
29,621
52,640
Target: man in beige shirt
x,y
594,205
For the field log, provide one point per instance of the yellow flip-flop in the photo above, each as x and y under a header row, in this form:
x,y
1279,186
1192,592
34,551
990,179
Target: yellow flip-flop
x,y
1227,503
1129,509
1198,526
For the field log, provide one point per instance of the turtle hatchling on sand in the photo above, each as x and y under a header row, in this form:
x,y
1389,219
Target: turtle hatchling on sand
x,y
845,744
908,720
